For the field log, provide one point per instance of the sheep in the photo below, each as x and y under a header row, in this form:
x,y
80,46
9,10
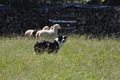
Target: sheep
x,y
32,33
28,32
44,28
52,33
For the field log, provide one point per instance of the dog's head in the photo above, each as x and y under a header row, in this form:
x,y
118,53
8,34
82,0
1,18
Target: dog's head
x,y
62,39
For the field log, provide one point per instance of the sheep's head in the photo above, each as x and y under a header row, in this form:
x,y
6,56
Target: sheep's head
x,y
57,26
46,28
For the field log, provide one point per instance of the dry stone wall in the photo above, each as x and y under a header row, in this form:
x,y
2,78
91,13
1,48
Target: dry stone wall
x,y
19,20
100,21
90,21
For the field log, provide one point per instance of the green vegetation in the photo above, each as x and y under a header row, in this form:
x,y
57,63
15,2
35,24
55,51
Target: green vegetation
x,y
80,59
38,3
95,2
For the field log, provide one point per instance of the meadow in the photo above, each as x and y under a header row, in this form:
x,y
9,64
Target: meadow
x,y
80,59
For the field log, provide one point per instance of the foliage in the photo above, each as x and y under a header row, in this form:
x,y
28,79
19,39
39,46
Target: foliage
x,y
20,3
80,59
38,3
95,2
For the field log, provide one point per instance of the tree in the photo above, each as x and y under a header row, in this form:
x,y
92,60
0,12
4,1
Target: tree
x,y
38,3
95,2
111,2
20,3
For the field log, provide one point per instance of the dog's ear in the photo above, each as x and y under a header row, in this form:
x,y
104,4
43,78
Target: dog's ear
x,y
60,37
65,36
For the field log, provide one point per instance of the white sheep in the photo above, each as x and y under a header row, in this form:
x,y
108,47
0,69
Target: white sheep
x,y
44,28
52,33
31,33
28,33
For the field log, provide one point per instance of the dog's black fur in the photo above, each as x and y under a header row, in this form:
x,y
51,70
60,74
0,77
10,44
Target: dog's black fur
x,y
50,46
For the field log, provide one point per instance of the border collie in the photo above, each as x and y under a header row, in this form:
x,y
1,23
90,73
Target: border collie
x,y
50,46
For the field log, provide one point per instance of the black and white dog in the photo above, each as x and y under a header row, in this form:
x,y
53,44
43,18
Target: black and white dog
x,y
50,46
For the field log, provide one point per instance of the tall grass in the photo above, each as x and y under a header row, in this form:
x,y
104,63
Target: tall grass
x,y
80,59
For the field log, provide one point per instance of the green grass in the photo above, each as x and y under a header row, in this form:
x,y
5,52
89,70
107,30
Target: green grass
x,y
80,59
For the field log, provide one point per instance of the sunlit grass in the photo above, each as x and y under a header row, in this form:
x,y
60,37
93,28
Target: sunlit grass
x,y
80,59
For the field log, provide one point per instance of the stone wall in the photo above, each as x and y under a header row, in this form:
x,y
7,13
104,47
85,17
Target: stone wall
x,y
99,21
88,20
19,20
95,21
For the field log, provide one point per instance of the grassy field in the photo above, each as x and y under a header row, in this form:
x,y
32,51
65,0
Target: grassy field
x,y
80,59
